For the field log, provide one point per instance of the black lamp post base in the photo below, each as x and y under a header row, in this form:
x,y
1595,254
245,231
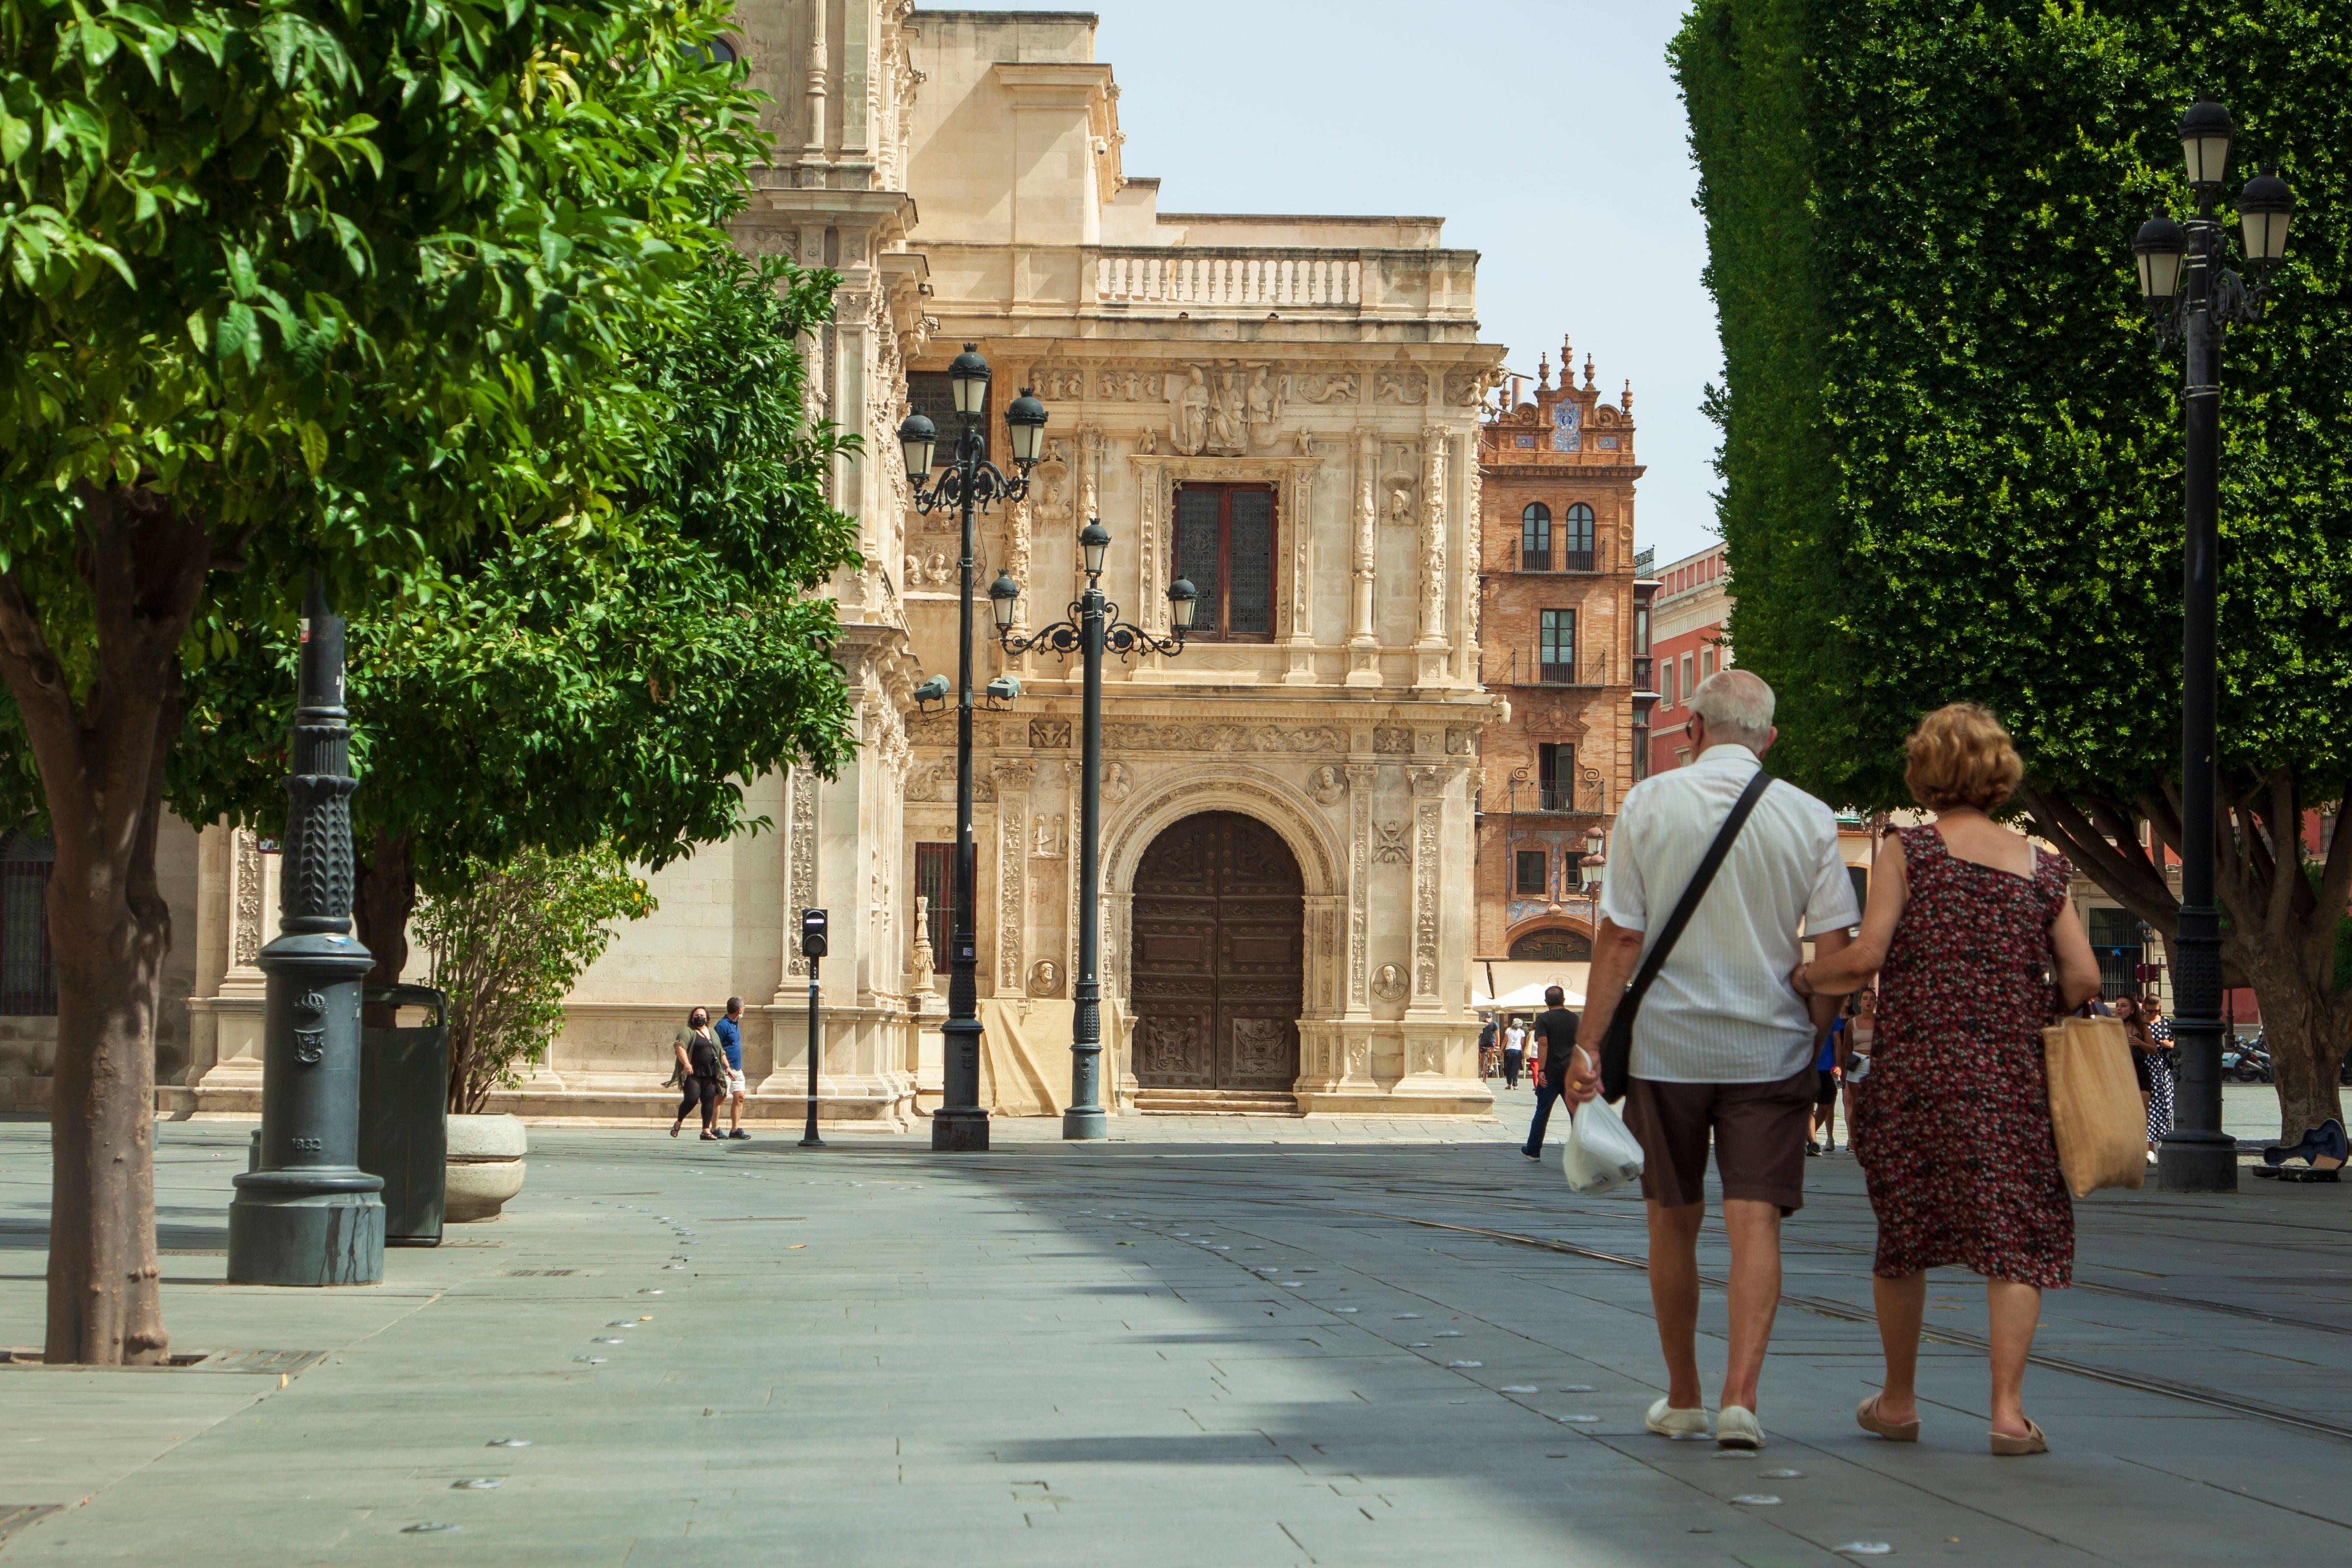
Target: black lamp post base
x,y
279,1234
959,1131
2196,1163
1085,1123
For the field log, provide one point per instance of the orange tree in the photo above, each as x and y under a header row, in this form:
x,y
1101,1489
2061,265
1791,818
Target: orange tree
x,y
289,285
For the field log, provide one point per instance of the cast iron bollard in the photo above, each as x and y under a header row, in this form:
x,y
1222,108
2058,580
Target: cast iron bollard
x,y
310,1215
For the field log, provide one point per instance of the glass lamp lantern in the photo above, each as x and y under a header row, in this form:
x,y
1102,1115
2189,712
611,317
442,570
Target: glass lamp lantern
x,y
2206,133
1003,598
2265,207
1182,600
916,439
968,377
2159,248
1094,542
1024,422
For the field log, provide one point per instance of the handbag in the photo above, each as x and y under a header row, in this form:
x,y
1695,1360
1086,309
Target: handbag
x,y
2095,1111
1617,1045
1600,1153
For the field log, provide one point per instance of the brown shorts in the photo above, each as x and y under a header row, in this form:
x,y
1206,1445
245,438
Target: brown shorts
x,y
1759,1130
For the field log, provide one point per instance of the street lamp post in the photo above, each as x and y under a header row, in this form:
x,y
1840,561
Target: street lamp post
x,y
1093,625
306,1214
2196,297
971,481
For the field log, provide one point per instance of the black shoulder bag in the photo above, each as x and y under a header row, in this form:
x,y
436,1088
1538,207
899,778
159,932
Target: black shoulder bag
x,y
1617,1045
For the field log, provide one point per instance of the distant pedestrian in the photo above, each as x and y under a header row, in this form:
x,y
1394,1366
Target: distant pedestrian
x,y
1722,1049
1555,1042
2161,1062
1860,1033
729,1030
1821,1136
1952,1126
1515,1052
699,1074
2143,1063
1490,1051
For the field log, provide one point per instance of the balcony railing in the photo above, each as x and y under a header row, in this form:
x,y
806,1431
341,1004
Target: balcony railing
x,y
1576,560
1586,795
1558,560
1528,667
1534,560
1645,674
1241,277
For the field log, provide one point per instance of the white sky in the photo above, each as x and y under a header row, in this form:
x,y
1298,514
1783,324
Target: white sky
x,y
1547,133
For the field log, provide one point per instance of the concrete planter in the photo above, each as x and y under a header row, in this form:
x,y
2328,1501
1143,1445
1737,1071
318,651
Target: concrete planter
x,y
485,1166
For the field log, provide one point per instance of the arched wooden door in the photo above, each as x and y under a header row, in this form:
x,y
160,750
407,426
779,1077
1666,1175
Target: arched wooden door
x,y
1220,956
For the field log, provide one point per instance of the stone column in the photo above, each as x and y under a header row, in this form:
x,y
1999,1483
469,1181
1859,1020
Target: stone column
x,y
1432,645
1360,776
811,170
1363,642
1013,782
1298,498
234,1080
1428,872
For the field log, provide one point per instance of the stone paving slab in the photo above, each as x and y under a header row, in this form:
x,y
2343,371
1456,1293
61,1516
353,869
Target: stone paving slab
x,y
1205,1343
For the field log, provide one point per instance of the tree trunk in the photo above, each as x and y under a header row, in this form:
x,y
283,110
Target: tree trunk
x,y
2282,932
101,756
387,896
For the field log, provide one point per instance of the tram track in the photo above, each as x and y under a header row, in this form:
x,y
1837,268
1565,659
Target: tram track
x,y
1120,1185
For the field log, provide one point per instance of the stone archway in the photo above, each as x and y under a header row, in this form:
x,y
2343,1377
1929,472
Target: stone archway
x,y
1218,966
1553,943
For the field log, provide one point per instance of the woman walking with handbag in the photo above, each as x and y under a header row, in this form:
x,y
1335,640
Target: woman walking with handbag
x,y
698,1074
1952,1124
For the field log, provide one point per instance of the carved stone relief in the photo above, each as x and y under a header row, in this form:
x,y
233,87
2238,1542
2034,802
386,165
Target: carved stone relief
x,y
1393,741
1157,737
1327,785
1388,982
247,850
1424,902
1047,734
801,859
1391,848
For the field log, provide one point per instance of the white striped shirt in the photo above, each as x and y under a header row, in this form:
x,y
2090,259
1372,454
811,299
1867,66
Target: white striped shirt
x,y
1721,1010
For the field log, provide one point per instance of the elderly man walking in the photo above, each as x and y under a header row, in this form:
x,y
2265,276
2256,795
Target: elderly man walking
x,y
1722,1048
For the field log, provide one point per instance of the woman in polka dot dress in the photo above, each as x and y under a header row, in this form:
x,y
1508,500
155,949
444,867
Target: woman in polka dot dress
x,y
1952,1124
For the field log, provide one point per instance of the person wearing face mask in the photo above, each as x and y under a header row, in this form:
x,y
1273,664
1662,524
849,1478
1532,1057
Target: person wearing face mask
x,y
699,1074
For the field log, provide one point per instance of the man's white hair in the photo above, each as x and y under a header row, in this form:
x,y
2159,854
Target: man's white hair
x,y
1737,706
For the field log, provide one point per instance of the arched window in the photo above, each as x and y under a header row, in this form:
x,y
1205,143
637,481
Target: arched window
x,y
1535,538
1576,539
1554,946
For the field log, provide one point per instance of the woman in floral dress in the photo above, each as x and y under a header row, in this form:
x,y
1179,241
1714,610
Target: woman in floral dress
x,y
1966,919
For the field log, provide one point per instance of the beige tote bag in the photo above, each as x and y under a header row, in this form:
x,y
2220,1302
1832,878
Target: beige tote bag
x,y
2095,1106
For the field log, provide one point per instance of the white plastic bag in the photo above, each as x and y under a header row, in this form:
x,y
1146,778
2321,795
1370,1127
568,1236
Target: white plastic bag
x,y
1600,1154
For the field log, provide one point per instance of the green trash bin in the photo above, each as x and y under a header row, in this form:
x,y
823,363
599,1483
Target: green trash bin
x,y
404,1114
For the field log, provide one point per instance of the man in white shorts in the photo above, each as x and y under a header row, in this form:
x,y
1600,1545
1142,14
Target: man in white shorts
x,y
731,1045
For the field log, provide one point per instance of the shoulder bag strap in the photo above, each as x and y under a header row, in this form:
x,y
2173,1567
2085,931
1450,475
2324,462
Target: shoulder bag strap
x,y
1616,1051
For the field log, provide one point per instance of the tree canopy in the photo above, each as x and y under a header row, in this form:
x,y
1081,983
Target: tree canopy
x,y
1951,460
289,285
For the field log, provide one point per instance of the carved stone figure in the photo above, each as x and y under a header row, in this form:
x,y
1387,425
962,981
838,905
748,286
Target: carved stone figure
x,y
1119,782
1148,441
1044,978
1228,418
922,964
1327,785
1401,502
1262,407
1306,444
1388,982
1188,432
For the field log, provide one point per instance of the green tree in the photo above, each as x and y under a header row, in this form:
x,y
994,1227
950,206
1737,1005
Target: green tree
x,y
545,695
507,943
293,284
1952,456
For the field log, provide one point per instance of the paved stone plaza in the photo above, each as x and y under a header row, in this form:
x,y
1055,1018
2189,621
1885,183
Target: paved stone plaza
x,y
1230,1342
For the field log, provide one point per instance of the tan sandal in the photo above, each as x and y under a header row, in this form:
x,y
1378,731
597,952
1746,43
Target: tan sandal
x,y
1865,1416
2033,1442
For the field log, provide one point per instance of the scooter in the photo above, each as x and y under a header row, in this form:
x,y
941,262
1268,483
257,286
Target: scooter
x,y
2246,1062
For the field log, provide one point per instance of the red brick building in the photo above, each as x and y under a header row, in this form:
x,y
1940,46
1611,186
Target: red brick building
x,y
1561,634
1687,644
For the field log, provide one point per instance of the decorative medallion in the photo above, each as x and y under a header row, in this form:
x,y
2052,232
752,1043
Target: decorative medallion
x,y
310,1028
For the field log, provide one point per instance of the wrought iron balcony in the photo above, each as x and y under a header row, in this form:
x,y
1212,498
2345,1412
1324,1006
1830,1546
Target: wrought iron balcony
x,y
1528,667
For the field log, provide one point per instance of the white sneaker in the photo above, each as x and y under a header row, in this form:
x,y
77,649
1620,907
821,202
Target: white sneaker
x,y
1736,1427
1667,1422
